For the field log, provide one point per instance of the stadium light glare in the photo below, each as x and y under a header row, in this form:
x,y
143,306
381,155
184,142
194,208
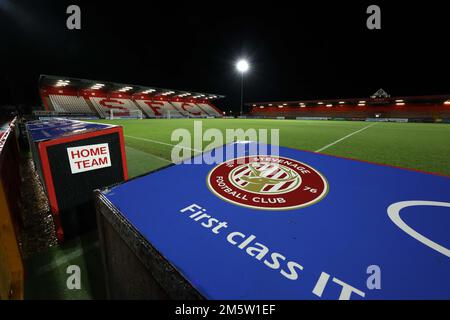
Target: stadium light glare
x,y
399,100
361,104
320,102
329,105
447,102
400,104
62,83
125,89
242,66
362,101
341,102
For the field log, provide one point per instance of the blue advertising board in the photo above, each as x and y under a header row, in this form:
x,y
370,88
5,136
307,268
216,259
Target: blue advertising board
x,y
300,225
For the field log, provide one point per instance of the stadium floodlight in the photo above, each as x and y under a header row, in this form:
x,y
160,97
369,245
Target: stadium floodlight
x,y
62,83
125,89
97,86
242,66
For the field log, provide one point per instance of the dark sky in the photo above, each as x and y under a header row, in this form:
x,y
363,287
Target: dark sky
x,y
296,51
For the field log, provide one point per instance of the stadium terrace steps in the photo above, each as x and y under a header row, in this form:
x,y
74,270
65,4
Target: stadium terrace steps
x,y
209,109
189,109
157,109
66,103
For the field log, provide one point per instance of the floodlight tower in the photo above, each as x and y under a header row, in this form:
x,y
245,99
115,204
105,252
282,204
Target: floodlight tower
x,y
242,66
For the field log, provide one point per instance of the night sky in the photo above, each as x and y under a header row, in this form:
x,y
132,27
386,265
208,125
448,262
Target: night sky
x,y
296,51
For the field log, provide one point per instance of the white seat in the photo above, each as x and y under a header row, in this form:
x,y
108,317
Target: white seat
x,y
71,104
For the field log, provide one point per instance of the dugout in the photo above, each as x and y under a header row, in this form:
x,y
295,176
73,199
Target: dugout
x,y
72,159
309,226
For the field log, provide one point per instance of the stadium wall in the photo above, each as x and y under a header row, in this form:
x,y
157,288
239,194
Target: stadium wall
x,y
11,265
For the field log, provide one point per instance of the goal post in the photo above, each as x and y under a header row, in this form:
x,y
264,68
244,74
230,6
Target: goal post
x,y
125,114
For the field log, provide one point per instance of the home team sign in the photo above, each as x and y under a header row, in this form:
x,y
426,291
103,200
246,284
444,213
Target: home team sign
x,y
90,157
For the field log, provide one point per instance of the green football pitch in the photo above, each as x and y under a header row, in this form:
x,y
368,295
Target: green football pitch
x,y
419,146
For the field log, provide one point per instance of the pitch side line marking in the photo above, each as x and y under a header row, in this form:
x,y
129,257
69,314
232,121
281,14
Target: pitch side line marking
x,y
343,138
163,143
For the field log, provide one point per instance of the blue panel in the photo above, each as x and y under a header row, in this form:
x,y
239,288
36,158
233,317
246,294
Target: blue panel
x,y
341,235
54,129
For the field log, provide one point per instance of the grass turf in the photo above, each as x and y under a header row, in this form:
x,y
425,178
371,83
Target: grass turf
x,y
411,145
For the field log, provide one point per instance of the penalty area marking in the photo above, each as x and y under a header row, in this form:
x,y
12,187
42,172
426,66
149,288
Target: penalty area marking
x,y
345,137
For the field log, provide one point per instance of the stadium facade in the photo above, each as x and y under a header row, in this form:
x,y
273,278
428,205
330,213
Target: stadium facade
x,y
379,106
100,99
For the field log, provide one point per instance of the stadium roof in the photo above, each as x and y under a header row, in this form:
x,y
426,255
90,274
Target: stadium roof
x,y
131,89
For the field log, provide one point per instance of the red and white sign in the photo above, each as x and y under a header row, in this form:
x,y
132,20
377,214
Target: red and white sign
x,y
267,182
87,158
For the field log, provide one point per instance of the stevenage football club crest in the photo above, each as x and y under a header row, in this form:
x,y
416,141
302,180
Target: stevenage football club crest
x,y
267,182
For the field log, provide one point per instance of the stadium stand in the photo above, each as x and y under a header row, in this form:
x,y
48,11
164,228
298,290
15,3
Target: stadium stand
x,y
103,105
376,106
159,109
210,109
71,96
67,103
392,111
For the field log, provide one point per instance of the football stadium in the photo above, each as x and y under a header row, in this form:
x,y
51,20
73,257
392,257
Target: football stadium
x,y
405,134
112,188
